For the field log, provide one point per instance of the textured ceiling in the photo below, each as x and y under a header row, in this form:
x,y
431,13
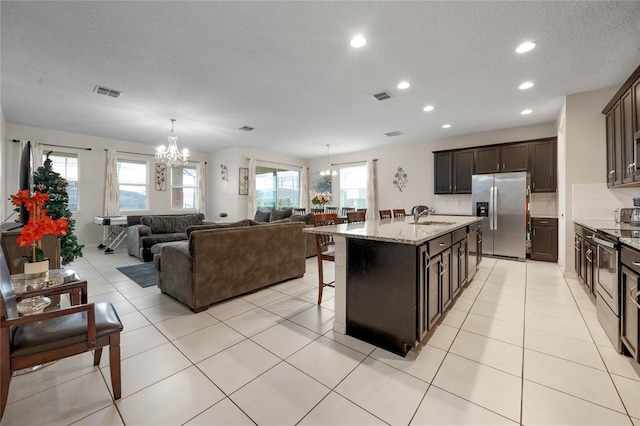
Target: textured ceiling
x,y
286,68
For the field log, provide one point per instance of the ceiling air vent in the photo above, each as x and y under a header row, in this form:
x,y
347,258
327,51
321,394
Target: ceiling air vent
x,y
106,91
382,96
246,128
391,134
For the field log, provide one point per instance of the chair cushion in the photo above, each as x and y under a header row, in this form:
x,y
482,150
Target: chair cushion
x,y
63,331
279,214
262,216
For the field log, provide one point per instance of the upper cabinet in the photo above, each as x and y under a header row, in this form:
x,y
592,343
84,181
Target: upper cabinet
x,y
623,135
542,155
454,169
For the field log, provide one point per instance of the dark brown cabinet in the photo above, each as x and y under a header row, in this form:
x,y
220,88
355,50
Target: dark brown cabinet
x,y
623,135
454,169
543,165
544,239
487,160
586,251
462,171
515,157
442,172
629,287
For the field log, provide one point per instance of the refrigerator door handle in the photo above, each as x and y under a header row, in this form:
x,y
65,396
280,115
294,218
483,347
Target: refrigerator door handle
x,y
495,209
491,209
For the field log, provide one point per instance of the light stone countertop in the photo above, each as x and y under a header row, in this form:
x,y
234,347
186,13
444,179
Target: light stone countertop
x,y
631,242
594,225
397,230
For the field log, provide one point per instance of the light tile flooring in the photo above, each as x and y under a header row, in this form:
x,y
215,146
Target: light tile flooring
x,y
521,345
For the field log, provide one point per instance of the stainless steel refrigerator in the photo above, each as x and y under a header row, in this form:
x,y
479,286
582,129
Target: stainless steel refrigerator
x,y
502,199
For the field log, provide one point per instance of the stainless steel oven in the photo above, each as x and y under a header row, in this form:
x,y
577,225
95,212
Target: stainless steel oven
x,y
608,285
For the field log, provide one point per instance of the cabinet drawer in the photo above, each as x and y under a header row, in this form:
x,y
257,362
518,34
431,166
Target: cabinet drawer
x,y
458,235
542,221
631,259
439,244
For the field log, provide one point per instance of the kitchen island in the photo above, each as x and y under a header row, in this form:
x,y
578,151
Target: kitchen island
x,y
394,277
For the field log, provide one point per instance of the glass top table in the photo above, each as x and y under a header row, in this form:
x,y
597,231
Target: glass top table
x,y
24,284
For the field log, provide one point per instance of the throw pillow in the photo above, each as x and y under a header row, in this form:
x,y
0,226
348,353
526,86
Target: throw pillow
x,y
307,218
165,224
262,216
279,214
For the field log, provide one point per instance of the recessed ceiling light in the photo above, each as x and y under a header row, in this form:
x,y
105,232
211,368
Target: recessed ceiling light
x,y
525,85
358,41
526,111
403,85
525,47
428,108
446,126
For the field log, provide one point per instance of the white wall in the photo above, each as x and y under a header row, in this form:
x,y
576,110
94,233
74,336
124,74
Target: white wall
x,y
3,147
585,158
92,172
562,184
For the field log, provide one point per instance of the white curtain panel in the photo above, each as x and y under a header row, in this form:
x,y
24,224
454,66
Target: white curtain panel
x,y
371,190
304,188
111,185
201,169
36,147
251,202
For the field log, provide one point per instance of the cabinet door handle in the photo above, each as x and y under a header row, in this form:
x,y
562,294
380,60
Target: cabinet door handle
x,y
534,232
634,297
636,263
543,221
443,244
587,255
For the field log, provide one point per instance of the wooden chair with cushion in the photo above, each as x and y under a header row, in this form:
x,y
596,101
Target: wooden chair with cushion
x,y
356,217
399,213
298,211
385,214
40,338
325,248
346,210
330,209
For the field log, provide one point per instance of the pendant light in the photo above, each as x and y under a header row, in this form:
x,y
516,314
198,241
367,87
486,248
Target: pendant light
x,y
328,171
171,156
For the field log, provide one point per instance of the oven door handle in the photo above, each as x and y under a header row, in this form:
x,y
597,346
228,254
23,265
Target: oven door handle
x,y
603,242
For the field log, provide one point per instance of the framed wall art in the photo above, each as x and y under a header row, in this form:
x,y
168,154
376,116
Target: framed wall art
x,y
244,181
161,177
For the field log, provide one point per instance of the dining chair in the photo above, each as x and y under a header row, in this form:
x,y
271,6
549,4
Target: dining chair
x,y
346,210
298,211
356,217
385,214
325,248
27,341
317,210
399,213
330,209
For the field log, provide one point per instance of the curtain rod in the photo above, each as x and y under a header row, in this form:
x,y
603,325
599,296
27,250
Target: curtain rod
x,y
149,155
278,164
57,146
352,162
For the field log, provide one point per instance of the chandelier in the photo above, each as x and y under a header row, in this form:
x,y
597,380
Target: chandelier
x,y
171,156
328,171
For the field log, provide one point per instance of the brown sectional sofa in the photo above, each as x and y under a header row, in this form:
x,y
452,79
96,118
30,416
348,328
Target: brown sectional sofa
x,y
143,232
272,215
222,261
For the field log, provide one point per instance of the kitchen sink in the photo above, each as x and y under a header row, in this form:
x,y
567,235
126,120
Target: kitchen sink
x,y
431,222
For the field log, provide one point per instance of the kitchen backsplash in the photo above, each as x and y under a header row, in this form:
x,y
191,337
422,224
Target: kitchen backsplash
x,y
541,204
597,202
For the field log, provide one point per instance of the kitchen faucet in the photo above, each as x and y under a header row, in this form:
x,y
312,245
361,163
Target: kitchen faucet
x,y
417,214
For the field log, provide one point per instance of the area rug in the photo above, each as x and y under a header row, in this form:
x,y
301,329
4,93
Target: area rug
x,y
143,274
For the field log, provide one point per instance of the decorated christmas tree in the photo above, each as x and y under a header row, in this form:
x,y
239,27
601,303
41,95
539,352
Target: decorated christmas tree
x,y
47,181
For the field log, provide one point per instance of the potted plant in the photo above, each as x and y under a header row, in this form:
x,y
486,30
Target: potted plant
x,y
39,225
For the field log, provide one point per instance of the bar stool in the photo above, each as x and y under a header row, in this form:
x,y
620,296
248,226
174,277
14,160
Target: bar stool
x,y
385,214
298,211
317,210
346,210
325,248
399,213
356,217
330,210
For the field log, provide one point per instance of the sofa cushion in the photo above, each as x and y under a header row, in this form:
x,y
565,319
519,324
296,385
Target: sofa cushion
x,y
307,218
262,216
148,241
171,224
279,214
240,223
286,220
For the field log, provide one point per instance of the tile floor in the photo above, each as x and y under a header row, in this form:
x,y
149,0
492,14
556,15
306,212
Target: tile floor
x,y
521,345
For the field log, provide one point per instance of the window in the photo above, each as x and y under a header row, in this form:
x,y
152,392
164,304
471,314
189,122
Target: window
x,y
277,188
184,194
132,185
67,165
353,187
